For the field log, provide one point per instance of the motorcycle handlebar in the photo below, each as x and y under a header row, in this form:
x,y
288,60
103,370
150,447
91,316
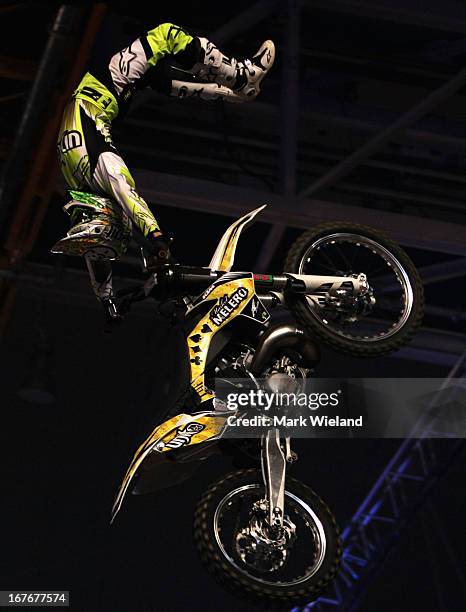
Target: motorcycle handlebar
x,y
170,281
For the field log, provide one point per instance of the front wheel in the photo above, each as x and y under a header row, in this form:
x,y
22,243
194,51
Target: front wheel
x,y
346,324
283,568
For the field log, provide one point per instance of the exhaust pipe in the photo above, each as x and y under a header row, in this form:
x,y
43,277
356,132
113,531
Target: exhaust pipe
x,y
284,336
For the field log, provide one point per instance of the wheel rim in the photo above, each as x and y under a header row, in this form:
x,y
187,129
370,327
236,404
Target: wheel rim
x,y
391,280
292,502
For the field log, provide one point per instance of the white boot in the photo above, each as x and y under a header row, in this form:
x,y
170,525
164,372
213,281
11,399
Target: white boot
x,y
204,91
252,71
243,77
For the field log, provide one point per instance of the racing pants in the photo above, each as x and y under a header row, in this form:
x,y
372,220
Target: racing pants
x,y
90,162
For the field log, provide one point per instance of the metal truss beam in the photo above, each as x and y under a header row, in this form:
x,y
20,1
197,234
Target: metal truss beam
x,y
17,68
289,114
12,6
438,16
217,198
429,345
355,121
441,359
444,50
245,20
31,195
267,150
265,168
420,109
441,347
66,21
446,270
400,167
443,271
307,147
405,196
379,66
418,464
319,111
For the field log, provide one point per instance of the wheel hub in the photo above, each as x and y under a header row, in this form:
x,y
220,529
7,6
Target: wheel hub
x,y
347,304
261,547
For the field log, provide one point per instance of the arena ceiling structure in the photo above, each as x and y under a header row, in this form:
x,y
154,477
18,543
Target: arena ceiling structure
x,y
363,118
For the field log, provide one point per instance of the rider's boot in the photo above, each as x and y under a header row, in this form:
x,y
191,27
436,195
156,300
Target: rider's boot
x,y
242,76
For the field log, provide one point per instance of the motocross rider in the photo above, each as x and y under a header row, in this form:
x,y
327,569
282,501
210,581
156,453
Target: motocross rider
x,y
89,160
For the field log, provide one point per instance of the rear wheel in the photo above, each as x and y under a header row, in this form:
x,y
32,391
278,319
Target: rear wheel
x,y
286,568
345,249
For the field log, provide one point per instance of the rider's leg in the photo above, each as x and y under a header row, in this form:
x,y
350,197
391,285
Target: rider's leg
x,y
112,176
242,76
204,91
89,160
84,135
203,58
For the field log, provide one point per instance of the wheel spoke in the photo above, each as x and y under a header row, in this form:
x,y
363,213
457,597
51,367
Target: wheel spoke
x,y
331,262
332,269
370,273
345,259
355,257
257,556
385,309
379,262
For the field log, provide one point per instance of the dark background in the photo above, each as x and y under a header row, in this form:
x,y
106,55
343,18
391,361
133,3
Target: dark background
x,y
361,65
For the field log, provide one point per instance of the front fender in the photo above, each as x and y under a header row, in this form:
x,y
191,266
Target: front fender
x,y
183,430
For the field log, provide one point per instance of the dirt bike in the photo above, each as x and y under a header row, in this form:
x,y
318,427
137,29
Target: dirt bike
x,y
263,534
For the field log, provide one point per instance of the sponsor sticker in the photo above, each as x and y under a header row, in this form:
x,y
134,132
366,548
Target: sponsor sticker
x,y
228,304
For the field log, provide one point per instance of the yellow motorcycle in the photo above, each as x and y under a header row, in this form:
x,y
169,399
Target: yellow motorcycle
x,y
264,535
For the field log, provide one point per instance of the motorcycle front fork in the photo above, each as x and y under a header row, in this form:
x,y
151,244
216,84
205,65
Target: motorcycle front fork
x,y
274,459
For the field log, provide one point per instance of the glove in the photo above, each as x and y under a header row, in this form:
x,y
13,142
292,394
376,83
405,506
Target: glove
x,y
159,246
